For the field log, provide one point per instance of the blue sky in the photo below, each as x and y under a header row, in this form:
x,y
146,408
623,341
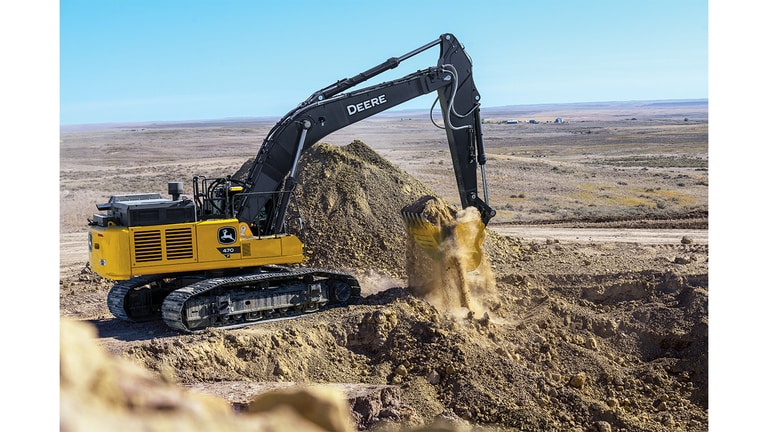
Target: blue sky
x,y
139,60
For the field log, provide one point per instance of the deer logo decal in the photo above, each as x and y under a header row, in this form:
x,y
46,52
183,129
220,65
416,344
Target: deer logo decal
x,y
227,235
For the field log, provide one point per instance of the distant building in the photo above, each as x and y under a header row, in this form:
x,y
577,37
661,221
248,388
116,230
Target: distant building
x,y
532,121
558,120
511,122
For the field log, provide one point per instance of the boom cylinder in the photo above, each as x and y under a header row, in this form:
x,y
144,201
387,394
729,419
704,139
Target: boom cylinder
x,y
348,83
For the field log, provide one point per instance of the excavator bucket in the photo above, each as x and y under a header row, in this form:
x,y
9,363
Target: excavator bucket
x,y
440,232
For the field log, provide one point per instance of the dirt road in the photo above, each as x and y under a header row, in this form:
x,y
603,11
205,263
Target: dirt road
x,y
600,235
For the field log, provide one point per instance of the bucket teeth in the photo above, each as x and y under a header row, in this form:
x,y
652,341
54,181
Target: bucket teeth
x,y
414,219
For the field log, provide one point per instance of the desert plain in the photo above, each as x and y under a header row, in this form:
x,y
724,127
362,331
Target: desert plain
x,y
597,321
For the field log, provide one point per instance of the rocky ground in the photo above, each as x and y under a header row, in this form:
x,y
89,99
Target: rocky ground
x,y
579,336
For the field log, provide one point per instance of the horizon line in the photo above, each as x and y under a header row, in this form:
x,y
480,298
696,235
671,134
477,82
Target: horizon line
x,y
387,112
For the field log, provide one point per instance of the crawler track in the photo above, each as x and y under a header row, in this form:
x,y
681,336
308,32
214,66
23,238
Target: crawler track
x,y
237,301
137,299
192,304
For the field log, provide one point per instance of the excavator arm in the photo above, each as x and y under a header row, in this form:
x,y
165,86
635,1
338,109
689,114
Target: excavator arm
x,y
333,108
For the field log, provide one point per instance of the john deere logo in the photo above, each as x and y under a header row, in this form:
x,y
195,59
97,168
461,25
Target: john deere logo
x,y
227,235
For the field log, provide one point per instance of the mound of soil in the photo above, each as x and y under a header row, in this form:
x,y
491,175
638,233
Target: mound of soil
x,y
580,337
350,198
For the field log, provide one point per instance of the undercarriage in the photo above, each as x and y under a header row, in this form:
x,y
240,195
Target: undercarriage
x,y
192,303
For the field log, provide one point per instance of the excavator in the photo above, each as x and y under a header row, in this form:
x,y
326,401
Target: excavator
x,y
227,257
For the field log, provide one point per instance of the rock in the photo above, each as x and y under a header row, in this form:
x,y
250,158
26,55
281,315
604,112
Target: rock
x,y
686,240
433,377
401,370
668,421
578,380
660,405
282,370
592,343
671,283
603,426
324,408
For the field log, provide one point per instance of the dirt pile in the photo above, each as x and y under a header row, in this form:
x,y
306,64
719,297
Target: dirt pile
x,y
351,198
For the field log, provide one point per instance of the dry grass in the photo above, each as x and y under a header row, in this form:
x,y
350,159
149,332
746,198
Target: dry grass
x,y
598,163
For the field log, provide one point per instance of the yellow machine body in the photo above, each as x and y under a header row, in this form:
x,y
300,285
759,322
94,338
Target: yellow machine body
x,y
120,253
